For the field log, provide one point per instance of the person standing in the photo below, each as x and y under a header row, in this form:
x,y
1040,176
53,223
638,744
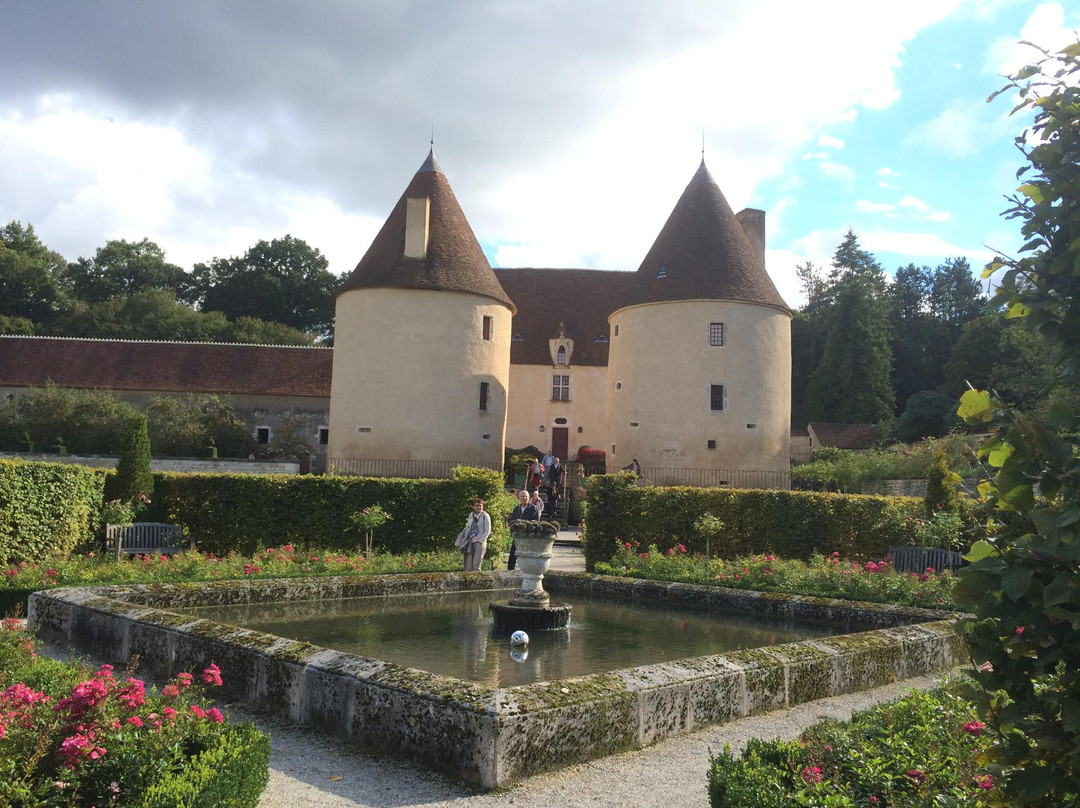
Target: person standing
x,y
555,480
523,510
536,475
537,503
476,533
547,462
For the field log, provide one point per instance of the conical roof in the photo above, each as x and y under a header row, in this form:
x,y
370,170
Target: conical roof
x,y
454,259
703,253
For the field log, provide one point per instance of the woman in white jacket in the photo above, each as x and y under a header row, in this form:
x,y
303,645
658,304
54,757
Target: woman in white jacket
x,y
476,532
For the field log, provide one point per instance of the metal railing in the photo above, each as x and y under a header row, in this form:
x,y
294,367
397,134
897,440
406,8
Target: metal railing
x,y
716,478
411,469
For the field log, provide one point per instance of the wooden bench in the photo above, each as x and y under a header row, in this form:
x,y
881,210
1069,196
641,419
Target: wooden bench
x,y
144,538
917,559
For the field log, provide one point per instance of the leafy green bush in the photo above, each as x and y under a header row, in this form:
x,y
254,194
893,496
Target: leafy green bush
x,y
73,736
89,421
913,752
791,524
223,513
843,470
821,576
47,510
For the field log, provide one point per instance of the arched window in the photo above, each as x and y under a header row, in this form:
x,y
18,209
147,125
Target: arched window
x,y
561,356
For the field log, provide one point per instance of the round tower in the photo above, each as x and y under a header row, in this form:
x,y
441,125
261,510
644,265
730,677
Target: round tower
x,y
699,374
421,344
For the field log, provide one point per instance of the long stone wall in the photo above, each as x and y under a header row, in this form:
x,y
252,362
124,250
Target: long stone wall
x,y
493,736
181,464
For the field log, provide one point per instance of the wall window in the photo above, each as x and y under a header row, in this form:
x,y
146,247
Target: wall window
x,y
262,435
483,396
560,357
560,388
487,327
716,397
716,334
616,331
324,435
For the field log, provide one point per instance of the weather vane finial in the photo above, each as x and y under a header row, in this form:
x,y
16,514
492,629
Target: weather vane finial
x,y
703,143
433,134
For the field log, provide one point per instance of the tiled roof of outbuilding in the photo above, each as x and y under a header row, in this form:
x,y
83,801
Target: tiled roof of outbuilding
x,y
844,436
705,252
168,367
454,259
581,299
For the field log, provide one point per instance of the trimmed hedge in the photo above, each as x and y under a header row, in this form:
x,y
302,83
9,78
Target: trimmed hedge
x,y
789,524
230,774
245,512
47,509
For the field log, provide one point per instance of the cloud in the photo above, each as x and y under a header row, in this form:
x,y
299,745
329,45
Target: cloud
x,y
918,245
568,132
1047,27
913,202
865,206
962,129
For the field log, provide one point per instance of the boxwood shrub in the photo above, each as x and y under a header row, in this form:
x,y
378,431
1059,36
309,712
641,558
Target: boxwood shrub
x,y
243,512
47,510
789,524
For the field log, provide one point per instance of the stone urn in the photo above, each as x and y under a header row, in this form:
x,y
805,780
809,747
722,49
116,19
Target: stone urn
x,y
534,542
531,609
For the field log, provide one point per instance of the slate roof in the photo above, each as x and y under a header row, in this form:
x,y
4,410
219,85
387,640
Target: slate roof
x,y
169,367
454,258
580,299
706,253
843,436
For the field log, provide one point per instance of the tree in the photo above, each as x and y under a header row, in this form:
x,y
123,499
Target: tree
x,y
1022,582
146,314
851,384
283,281
928,414
123,268
956,297
133,476
27,280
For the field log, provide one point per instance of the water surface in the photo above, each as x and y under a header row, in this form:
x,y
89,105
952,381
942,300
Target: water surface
x,y
453,634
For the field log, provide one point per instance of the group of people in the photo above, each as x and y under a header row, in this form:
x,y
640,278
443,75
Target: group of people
x,y
473,538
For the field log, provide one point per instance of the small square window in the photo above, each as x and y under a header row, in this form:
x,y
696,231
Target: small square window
x,y
483,396
716,397
711,444
262,435
716,334
487,327
324,435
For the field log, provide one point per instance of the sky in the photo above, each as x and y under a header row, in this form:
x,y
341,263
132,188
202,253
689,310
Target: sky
x,y
567,128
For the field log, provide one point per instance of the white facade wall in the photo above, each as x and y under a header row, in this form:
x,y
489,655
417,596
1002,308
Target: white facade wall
x,y
531,407
408,365
660,371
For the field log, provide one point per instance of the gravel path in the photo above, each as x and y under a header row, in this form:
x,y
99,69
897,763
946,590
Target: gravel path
x,y
309,770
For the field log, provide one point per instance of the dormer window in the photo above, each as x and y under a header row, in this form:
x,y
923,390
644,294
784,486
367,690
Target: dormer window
x,y
517,338
560,357
602,338
663,271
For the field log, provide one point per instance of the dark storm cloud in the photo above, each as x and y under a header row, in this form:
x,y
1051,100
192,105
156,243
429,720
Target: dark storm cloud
x,y
338,97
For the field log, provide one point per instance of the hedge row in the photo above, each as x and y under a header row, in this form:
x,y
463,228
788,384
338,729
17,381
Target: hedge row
x,y
245,512
47,509
790,524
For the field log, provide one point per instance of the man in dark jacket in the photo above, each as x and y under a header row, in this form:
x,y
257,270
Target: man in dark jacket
x,y
524,510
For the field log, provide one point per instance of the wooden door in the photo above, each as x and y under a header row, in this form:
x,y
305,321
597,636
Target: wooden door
x,y
560,442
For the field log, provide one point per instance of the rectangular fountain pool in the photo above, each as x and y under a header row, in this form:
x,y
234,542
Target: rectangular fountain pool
x,y
454,634
493,735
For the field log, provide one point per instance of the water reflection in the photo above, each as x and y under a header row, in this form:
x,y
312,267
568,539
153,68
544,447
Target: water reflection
x,y
453,634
